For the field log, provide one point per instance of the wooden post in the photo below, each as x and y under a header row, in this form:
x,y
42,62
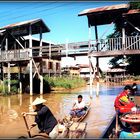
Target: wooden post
x,y
20,83
90,68
31,57
2,78
91,78
123,34
41,84
9,87
41,67
123,38
40,53
97,63
8,70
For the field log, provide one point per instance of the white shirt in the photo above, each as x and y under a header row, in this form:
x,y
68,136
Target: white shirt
x,y
79,105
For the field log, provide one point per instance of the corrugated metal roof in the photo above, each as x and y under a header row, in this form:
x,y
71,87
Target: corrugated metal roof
x,y
104,15
103,9
132,16
134,11
22,28
20,23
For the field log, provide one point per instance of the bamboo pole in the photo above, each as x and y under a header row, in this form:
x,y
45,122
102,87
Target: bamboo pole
x,y
97,64
9,82
116,127
20,83
41,65
27,127
89,57
31,65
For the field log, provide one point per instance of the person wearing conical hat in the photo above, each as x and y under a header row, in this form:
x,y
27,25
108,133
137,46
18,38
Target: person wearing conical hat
x,y
44,118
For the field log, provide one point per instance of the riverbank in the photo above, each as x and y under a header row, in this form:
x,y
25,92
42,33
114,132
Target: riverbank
x,y
65,83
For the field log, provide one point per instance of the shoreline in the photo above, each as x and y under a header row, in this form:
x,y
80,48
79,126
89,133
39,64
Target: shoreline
x,y
61,89
126,82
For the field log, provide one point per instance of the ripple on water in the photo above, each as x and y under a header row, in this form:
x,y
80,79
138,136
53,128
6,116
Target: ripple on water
x,y
60,104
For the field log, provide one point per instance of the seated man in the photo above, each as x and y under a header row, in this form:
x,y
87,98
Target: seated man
x,y
134,132
122,103
44,118
134,88
78,108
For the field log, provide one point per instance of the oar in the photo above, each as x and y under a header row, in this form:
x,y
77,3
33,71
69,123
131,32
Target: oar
x,y
116,131
28,130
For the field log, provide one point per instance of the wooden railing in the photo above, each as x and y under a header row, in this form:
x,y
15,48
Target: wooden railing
x,y
13,55
111,44
104,45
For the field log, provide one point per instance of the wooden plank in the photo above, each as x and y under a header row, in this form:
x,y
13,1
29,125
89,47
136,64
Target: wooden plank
x,y
82,126
115,53
78,126
74,126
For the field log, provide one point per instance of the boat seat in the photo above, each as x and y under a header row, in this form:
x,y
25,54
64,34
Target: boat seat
x,y
77,130
78,126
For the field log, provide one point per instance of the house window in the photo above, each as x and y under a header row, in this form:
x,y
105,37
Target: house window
x,y
57,66
50,65
44,64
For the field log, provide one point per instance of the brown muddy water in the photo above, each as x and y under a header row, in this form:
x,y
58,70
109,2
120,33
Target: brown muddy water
x,y
12,124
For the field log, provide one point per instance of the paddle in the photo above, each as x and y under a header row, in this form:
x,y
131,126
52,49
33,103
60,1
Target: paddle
x,y
116,130
28,130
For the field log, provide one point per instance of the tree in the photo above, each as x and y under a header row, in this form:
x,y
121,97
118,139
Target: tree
x,y
133,60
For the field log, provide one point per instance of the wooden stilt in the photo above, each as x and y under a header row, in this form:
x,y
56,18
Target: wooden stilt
x,y
31,65
90,67
97,63
41,84
20,83
41,65
9,81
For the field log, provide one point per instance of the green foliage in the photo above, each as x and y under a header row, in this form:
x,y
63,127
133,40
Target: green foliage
x,y
135,5
135,78
133,60
65,82
4,88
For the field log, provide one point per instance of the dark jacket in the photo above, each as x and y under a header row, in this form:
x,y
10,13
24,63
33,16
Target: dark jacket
x,y
45,119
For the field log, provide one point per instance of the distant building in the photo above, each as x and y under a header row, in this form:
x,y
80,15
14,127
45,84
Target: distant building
x,y
116,74
71,70
84,70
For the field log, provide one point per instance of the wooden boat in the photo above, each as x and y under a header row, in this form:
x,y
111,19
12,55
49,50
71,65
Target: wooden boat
x,y
127,119
69,129
81,118
75,127
109,131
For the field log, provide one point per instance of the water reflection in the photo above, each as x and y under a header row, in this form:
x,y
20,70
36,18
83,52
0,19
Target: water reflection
x,y
101,112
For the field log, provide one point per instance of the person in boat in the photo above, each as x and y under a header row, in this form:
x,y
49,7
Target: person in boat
x,y
122,102
134,88
79,107
44,118
133,132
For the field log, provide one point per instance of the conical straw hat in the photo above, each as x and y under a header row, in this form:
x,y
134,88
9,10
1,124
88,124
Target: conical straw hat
x,y
38,101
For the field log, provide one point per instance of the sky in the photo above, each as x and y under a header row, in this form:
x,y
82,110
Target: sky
x,y
61,18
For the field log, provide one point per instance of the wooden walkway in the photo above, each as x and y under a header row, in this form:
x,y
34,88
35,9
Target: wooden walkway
x,y
106,48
